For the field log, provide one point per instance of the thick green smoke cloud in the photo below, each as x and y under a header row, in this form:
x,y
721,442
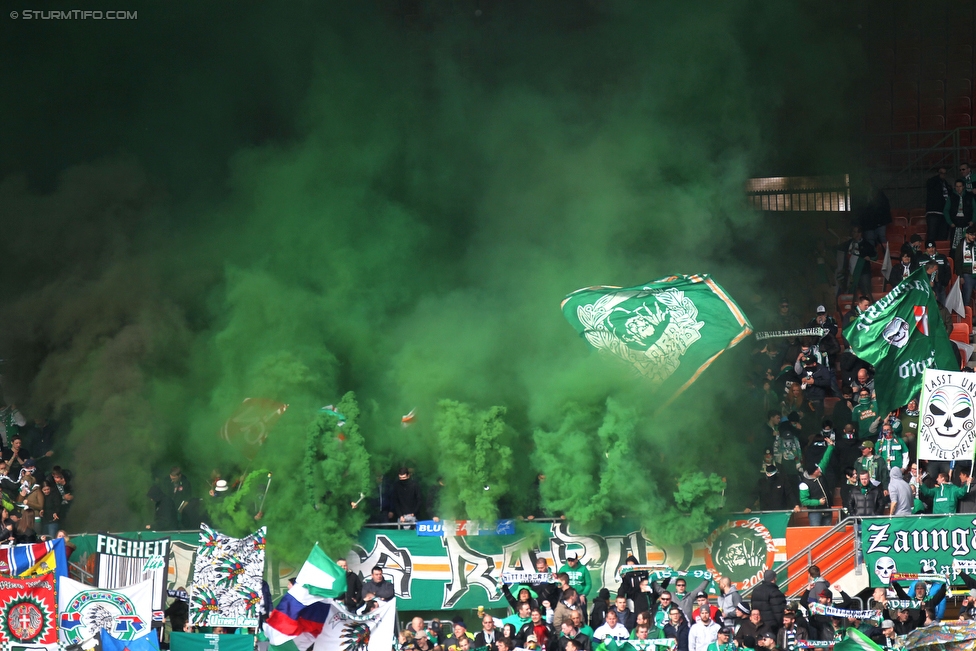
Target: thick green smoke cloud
x,y
393,201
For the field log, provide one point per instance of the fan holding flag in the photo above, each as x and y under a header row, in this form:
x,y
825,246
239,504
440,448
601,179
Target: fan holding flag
x,y
311,612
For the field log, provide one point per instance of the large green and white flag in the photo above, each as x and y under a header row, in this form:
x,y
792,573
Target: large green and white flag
x,y
321,575
669,330
902,335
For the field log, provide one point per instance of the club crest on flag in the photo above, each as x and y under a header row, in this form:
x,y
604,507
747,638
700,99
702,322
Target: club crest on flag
x,y
896,332
25,618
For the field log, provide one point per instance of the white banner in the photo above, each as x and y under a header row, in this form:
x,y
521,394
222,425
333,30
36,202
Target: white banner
x,y
126,613
227,576
946,418
372,631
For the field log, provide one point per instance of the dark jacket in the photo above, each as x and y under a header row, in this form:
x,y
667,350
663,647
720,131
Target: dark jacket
x,y
876,212
406,497
382,590
799,633
354,591
898,272
679,633
480,641
821,383
529,629
513,599
601,604
958,257
583,641
937,190
748,629
952,207
769,600
775,494
865,502
916,616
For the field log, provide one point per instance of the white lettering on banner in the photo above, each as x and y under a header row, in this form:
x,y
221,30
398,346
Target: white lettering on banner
x,y
875,311
482,567
878,538
912,368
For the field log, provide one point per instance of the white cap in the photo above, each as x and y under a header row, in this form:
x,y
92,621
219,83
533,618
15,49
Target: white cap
x,y
821,309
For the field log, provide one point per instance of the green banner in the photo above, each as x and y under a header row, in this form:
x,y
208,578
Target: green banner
x,y
917,545
902,335
442,573
210,642
432,573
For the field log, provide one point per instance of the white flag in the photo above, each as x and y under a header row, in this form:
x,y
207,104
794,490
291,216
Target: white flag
x,y
372,631
954,299
126,613
886,265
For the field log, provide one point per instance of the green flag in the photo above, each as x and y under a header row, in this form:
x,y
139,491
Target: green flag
x,y
321,575
669,330
902,335
206,642
855,640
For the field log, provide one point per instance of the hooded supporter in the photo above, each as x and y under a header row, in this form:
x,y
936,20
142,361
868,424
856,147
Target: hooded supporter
x,y
902,500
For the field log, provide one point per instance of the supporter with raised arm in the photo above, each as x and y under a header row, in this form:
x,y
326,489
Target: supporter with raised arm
x,y
945,496
813,494
686,600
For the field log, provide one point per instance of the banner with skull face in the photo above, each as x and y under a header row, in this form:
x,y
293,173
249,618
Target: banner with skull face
x,y
924,546
947,422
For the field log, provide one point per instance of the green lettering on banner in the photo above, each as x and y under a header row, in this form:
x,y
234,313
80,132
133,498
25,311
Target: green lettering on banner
x,y
913,545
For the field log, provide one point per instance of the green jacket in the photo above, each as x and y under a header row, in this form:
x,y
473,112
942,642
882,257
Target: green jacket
x,y
945,498
805,498
876,467
862,416
918,507
715,646
893,451
578,578
653,633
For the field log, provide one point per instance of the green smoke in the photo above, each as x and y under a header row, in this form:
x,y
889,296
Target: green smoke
x,y
393,201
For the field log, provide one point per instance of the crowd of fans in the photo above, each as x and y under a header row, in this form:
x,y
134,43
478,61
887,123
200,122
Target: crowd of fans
x,y
553,616
823,428
35,494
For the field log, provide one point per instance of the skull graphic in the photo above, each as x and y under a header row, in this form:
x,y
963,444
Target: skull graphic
x,y
884,567
950,415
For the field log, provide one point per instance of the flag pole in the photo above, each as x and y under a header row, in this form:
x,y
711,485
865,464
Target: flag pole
x,y
265,496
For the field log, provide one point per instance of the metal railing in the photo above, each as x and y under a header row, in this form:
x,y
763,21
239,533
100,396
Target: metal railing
x,y
915,157
807,552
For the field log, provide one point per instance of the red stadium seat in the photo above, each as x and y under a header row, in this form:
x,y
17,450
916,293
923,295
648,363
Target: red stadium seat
x,y
960,333
900,214
896,229
877,296
931,88
916,213
877,283
931,106
960,105
957,120
958,88
942,246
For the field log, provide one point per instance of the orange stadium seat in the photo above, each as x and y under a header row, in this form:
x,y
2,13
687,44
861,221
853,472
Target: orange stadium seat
x,y
960,333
